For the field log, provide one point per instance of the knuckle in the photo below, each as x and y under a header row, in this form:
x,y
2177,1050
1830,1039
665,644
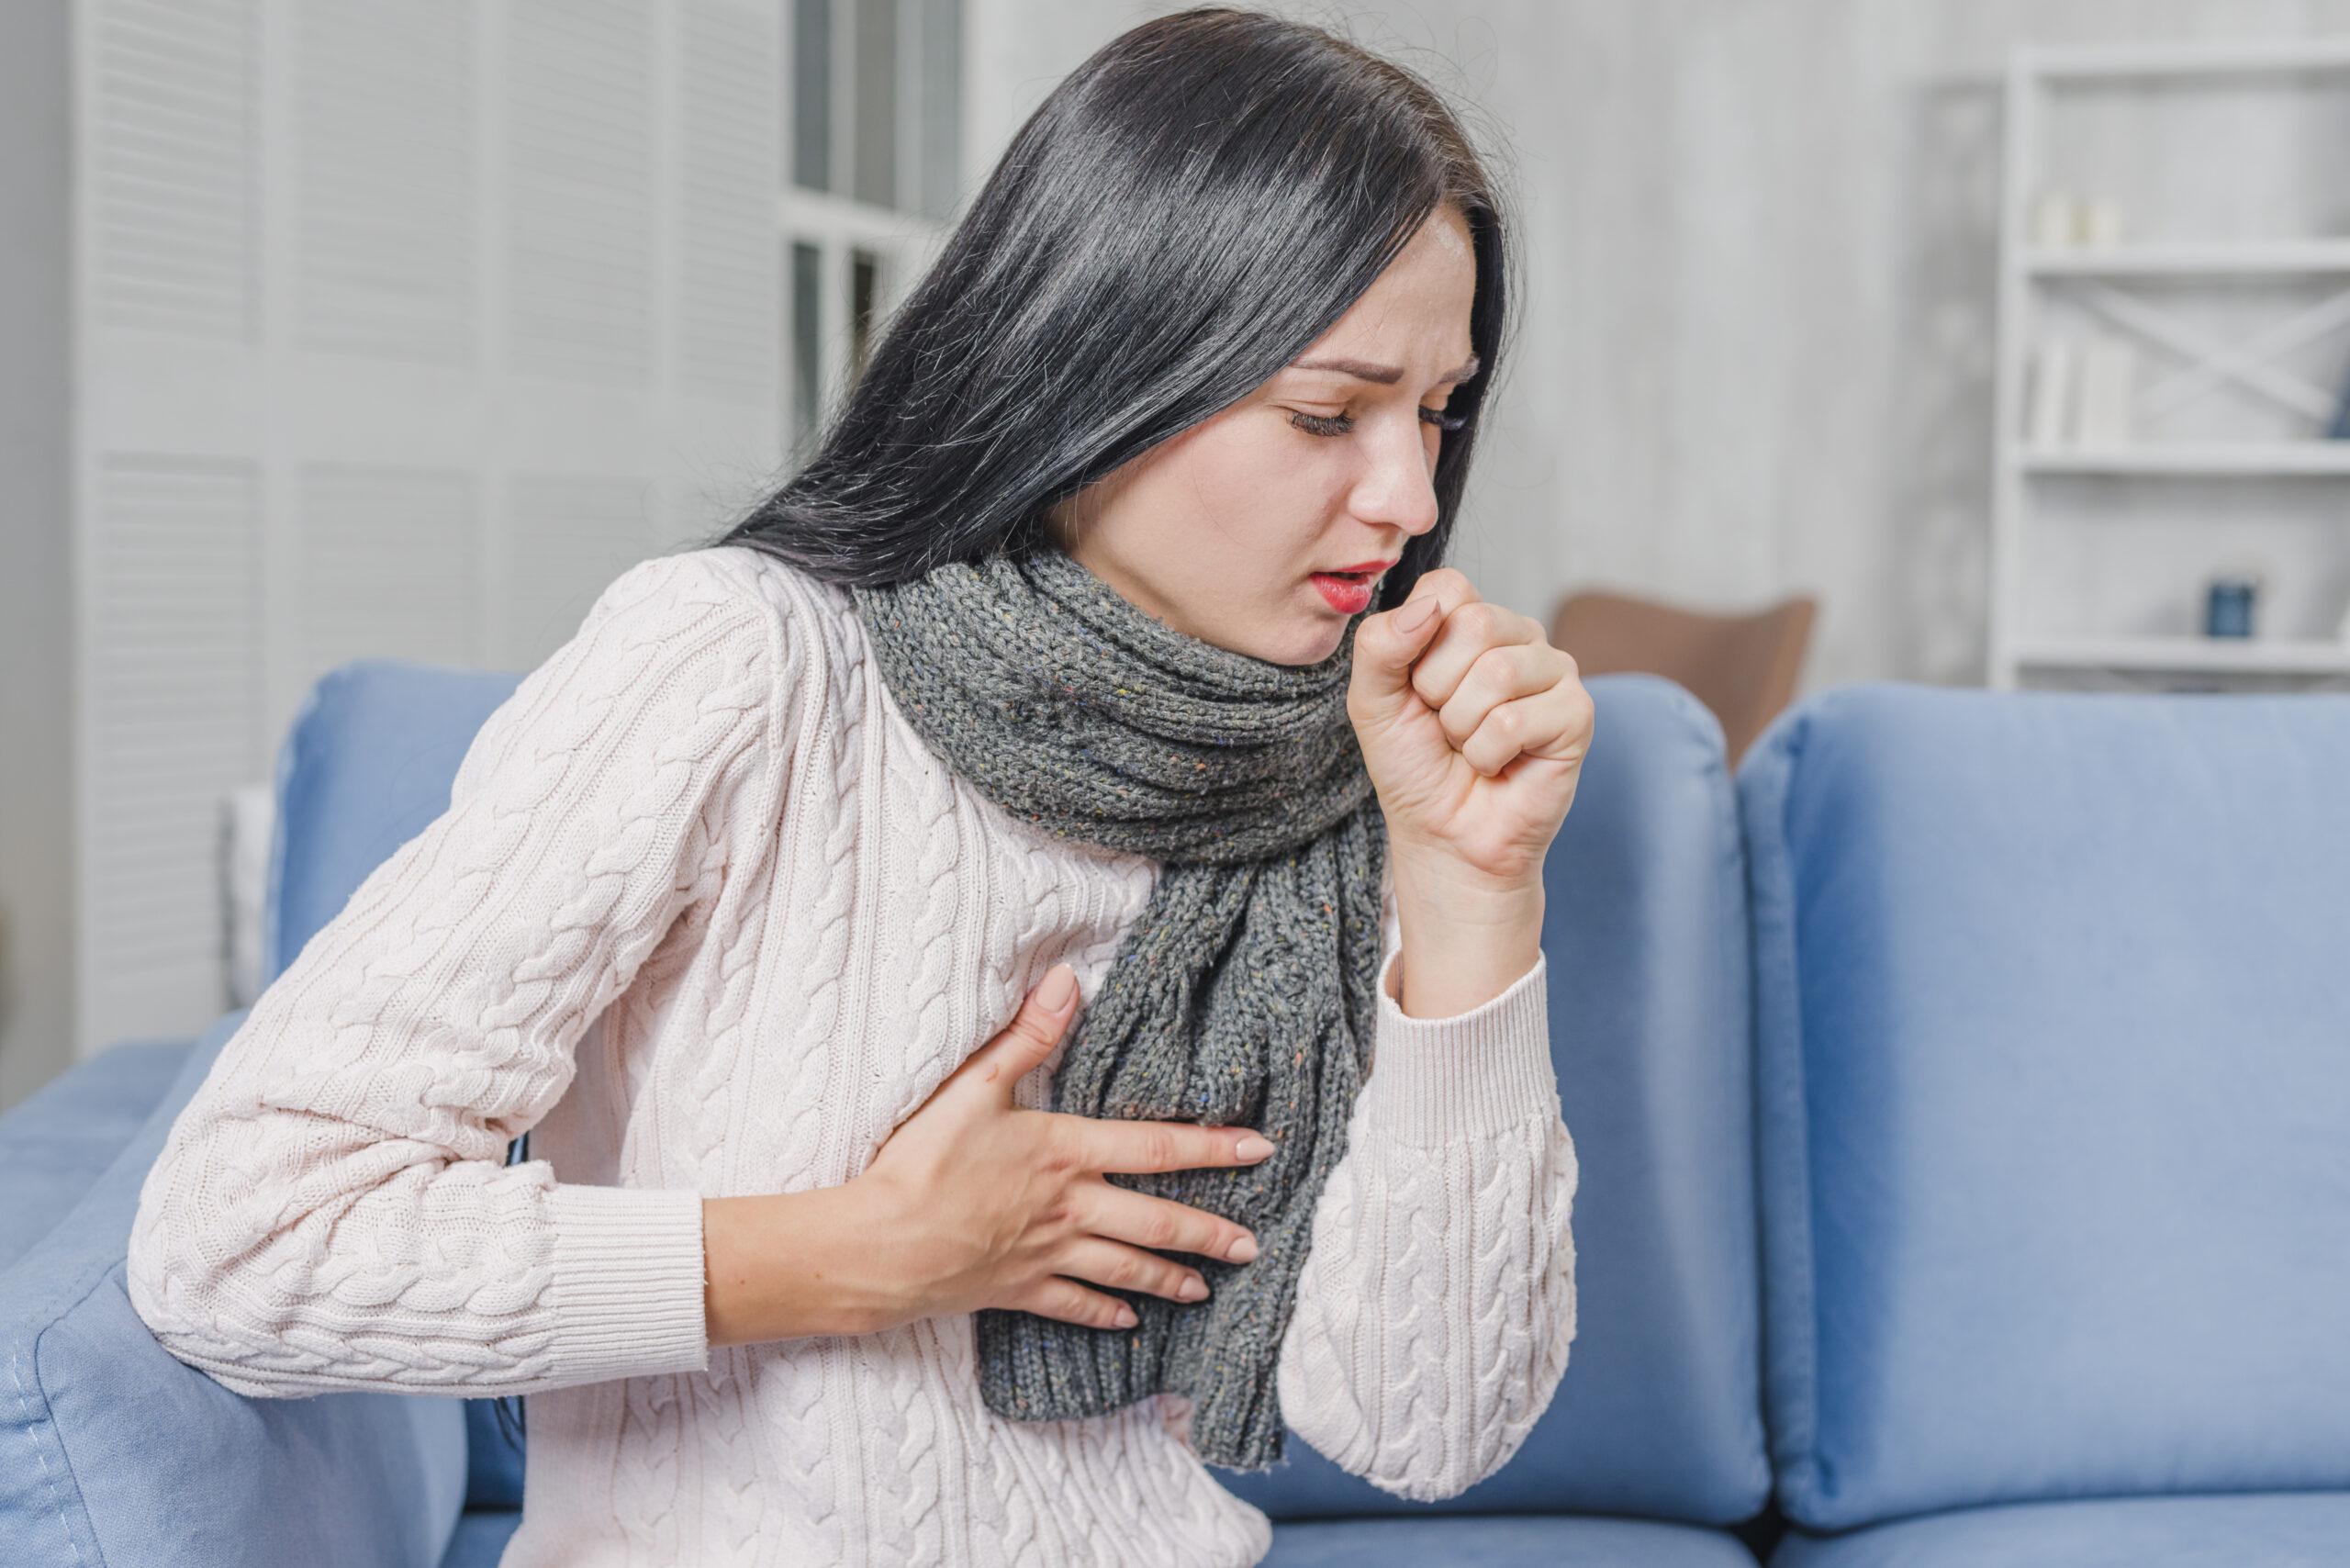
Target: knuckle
x,y
1058,1151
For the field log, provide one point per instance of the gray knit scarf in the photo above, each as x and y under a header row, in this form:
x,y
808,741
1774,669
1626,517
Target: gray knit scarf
x,y
1244,993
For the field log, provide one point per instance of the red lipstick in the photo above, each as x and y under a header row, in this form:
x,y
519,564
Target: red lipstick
x,y
1347,590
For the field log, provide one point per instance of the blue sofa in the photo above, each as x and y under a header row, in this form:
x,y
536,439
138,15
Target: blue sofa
x,y
1963,1096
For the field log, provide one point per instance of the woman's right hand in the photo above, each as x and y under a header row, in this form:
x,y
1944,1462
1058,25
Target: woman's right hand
x,y
973,1201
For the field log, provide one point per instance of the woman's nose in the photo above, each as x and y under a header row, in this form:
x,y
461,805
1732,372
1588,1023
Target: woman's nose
x,y
1398,485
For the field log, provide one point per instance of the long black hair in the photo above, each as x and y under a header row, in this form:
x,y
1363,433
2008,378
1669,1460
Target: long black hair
x,y
1189,211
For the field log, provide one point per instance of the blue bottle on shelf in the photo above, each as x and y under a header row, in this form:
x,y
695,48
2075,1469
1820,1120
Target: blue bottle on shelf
x,y
2227,610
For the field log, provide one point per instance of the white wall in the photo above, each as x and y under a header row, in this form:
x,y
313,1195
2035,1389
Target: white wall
x,y
36,633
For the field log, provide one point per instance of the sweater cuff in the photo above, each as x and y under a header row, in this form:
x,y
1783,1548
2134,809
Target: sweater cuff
x,y
1439,1081
629,1292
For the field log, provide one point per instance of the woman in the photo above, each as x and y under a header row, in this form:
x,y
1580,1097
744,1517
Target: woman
x,y
1053,666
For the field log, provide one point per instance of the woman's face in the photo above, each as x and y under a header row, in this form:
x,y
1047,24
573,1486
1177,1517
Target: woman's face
x,y
1221,531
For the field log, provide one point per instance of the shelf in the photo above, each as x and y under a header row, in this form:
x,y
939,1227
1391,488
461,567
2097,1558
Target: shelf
x,y
2201,656
2267,259
2257,459
2209,57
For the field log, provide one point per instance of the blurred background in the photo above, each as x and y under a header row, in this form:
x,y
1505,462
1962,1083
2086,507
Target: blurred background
x,y
1944,341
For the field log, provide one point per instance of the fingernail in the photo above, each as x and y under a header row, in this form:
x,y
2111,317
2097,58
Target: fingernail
x,y
1060,984
1242,1250
1192,1289
1126,1318
1252,1148
1413,616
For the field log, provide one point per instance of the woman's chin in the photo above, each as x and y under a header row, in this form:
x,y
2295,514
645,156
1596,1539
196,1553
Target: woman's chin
x,y
1307,640
1287,634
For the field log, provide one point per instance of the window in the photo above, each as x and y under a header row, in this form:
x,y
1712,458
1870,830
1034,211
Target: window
x,y
874,119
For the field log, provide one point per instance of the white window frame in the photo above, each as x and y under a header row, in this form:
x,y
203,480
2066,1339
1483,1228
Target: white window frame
x,y
903,238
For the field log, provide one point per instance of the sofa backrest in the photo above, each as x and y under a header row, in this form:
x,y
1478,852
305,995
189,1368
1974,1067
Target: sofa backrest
x,y
64,1135
2052,1002
118,1452
1658,1412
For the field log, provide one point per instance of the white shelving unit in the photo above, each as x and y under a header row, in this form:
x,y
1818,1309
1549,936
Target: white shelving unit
x,y
2310,257
2272,655
2134,286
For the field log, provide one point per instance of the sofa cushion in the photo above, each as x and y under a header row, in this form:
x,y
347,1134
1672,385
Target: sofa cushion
x,y
1658,1412
480,1538
119,1452
55,1142
2259,1529
1504,1540
1501,1540
2052,996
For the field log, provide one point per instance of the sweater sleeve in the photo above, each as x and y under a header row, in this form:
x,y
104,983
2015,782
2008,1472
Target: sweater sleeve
x,y
1437,1299
332,1209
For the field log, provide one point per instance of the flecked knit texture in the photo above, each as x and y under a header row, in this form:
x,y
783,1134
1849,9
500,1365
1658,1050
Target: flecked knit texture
x,y
1242,996
707,917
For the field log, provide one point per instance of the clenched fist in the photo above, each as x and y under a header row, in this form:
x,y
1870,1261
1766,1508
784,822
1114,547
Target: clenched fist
x,y
1473,730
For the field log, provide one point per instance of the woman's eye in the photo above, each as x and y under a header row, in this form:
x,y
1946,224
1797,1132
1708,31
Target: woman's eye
x,y
1322,424
1339,424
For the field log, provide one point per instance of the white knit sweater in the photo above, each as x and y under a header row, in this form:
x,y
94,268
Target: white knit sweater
x,y
707,915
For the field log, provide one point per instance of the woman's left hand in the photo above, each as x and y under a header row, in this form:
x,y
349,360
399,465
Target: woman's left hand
x,y
1472,727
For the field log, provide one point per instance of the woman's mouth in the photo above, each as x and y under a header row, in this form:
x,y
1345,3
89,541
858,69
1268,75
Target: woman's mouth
x,y
1348,593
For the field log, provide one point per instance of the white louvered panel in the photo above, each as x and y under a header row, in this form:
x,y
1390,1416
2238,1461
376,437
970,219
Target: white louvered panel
x,y
728,170
174,166
384,170
388,566
579,189
172,684
567,538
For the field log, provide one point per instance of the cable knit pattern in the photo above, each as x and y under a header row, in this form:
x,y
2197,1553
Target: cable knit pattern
x,y
707,917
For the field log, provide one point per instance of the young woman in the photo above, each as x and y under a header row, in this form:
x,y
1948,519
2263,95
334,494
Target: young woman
x,y
1042,721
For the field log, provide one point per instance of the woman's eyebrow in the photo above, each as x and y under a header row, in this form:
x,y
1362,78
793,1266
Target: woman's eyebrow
x,y
1385,375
